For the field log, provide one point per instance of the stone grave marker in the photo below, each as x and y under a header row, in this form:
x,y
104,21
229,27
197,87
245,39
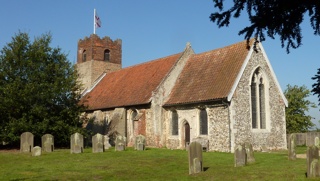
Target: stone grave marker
x,y
26,142
313,166
47,142
203,141
240,156
97,143
76,142
195,157
36,151
106,144
317,142
249,152
140,143
120,143
292,147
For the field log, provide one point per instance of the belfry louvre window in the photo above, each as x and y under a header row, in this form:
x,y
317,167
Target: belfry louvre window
x,y
203,122
106,55
174,123
258,102
84,56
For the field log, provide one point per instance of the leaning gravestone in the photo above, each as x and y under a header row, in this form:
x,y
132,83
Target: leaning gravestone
x,y
317,142
26,142
313,166
97,143
195,157
47,141
140,143
76,142
120,143
249,152
106,142
240,156
36,151
292,147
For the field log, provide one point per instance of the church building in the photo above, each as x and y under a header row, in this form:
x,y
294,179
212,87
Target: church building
x,y
225,96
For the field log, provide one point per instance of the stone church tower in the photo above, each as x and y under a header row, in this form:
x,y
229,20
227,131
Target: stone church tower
x,y
97,56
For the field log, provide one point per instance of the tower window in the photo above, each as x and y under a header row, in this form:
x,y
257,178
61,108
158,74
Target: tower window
x,y
106,55
84,56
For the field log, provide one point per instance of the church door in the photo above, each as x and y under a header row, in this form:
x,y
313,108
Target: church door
x,y
187,133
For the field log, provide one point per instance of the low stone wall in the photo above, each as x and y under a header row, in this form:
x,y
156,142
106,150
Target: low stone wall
x,y
306,139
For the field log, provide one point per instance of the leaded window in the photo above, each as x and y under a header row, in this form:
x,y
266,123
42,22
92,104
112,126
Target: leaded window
x,y
203,122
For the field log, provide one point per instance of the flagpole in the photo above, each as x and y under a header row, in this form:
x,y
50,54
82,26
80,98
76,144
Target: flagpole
x,y
94,21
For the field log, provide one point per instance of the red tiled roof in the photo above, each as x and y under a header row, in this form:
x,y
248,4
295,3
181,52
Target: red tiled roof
x,y
129,86
209,76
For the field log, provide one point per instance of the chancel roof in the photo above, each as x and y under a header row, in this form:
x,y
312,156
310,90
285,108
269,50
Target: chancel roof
x,y
210,75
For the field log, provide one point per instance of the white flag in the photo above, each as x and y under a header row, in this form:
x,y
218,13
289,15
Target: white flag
x,y
97,21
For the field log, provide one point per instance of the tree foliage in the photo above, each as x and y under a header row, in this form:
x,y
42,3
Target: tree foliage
x,y
38,91
296,119
271,17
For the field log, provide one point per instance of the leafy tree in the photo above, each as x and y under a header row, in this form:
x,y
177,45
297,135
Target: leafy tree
x,y
296,118
38,91
271,17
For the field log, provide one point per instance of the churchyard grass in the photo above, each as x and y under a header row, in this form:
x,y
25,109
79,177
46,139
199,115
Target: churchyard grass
x,y
151,164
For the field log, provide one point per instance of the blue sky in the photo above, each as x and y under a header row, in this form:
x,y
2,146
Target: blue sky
x,y
151,29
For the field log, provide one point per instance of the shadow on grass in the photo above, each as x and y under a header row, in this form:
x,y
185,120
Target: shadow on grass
x,y
205,168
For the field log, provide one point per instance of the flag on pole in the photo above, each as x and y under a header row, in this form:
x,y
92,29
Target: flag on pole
x,y
97,20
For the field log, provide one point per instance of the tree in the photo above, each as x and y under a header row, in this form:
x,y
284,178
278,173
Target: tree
x,y
270,17
39,91
296,119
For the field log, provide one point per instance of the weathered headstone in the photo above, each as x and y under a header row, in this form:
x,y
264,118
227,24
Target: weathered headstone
x,y
120,143
249,152
203,141
26,142
106,144
47,142
140,143
240,156
195,157
292,147
97,143
76,142
317,142
313,166
36,151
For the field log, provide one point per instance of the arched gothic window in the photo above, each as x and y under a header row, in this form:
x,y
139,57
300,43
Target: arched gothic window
x,y
174,123
258,101
203,122
106,55
84,56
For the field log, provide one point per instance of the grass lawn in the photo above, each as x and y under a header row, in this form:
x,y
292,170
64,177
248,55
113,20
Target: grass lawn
x,y
152,164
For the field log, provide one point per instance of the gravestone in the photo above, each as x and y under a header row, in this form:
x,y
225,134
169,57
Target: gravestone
x,y
249,152
120,143
317,142
97,143
47,142
36,151
203,141
240,156
26,142
106,144
76,142
292,147
140,143
195,157
313,166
